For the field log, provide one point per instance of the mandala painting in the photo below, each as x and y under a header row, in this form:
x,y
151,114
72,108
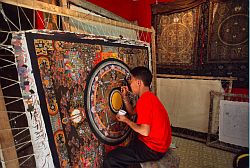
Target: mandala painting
x,y
228,33
177,38
70,85
104,100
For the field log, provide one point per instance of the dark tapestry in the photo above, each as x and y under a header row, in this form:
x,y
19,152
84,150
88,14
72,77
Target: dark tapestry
x,y
215,54
228,32
177,38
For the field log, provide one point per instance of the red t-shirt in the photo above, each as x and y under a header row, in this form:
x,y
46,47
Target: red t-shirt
x,y
150,111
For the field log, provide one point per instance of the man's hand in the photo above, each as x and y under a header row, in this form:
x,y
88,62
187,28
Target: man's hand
x,y
124,91
121,118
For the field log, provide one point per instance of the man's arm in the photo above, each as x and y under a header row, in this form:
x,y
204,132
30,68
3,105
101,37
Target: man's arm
x,y
143,129
128,106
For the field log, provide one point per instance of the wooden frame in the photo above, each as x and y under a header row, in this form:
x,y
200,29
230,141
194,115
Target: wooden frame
x,y
96,9
187,133
44,7
230,79
212,138
7,144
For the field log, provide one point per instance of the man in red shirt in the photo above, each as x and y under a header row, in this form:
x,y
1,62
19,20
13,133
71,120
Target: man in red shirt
x,y
152,125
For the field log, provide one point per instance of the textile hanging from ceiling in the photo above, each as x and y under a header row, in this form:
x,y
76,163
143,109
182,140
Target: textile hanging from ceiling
x,y
53,69
98,28
228,33
177,38
216,55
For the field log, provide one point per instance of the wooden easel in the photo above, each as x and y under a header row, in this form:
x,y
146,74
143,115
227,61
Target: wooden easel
x,y
8,153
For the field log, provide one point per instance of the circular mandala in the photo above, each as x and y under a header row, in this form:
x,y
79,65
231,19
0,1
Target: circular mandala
x,y
115,100
223,10
175,38
164,20
234,30
187,19
103,100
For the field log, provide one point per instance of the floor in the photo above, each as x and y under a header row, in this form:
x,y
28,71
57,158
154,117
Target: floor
x,y
195,154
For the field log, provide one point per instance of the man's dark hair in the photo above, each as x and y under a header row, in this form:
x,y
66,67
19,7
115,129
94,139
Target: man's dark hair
x,y
142,73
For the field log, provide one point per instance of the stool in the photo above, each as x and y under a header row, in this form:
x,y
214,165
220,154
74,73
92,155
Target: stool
x,y
169,160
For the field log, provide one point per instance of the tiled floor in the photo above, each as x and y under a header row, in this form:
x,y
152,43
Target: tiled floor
x,y
197,155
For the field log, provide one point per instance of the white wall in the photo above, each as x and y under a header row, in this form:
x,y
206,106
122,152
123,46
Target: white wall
x,y
187,101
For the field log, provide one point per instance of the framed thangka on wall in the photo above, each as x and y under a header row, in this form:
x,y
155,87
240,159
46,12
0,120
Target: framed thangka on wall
x,y
177,38
228,32
70,85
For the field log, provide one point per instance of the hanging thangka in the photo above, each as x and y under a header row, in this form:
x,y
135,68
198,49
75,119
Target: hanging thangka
x,y
228,33
70,85
177,38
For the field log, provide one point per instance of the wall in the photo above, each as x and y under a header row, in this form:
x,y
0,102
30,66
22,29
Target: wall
x,y
132,10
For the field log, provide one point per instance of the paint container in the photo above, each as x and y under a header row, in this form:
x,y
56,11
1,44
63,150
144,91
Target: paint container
x,y
122,112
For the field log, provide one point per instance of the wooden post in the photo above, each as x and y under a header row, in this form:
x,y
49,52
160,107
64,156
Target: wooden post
x,y
196,77
65,20
7,146
52,18
230,87
153,60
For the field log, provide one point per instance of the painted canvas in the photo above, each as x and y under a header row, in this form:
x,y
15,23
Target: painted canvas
x,y
59,76
177,38
228,32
